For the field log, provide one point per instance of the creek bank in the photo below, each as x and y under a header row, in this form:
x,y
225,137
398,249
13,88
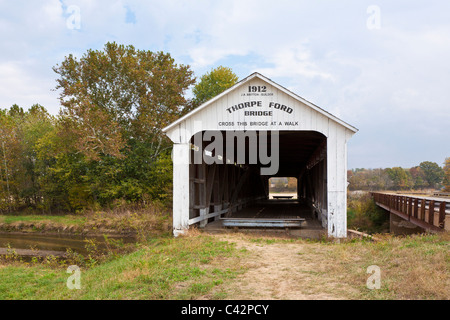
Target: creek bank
x,y
120,225
44,244
53,238
28,253
58,229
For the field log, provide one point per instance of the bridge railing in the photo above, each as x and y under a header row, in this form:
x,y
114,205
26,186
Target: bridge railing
x,y
429,213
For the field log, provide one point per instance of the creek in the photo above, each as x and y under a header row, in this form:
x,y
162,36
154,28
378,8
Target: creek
x,y
28,244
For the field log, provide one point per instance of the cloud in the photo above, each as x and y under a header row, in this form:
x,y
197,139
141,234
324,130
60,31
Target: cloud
x,y
391,82
294,61
20,84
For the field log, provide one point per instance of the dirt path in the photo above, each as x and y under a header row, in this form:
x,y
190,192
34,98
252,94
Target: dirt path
x,y
283,271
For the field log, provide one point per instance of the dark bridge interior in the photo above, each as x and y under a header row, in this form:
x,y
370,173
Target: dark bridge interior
x,y
226,179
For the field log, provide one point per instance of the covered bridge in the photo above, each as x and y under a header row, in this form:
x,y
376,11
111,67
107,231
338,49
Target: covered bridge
x,y
226,150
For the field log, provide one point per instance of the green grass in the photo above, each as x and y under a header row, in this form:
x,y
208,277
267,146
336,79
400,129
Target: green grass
x,y
64,219
165,268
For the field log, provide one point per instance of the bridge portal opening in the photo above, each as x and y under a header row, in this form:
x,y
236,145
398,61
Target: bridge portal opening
x,y
227,183
283,188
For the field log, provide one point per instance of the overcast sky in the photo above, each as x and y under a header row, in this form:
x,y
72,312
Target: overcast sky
x,y
382,66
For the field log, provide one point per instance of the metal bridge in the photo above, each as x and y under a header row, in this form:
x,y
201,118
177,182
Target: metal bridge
x,y
429,213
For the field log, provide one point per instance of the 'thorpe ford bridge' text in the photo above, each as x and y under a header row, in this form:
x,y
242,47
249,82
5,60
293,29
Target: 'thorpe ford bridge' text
x,y
258,104
252,109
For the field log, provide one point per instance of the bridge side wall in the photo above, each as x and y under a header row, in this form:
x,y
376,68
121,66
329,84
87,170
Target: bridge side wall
x,y
337,180
312,188
181,160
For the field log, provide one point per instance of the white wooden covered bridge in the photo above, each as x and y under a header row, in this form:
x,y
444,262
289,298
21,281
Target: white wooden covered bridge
x,y
226,150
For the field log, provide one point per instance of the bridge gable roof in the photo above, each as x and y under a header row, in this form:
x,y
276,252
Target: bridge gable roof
x,y
246,81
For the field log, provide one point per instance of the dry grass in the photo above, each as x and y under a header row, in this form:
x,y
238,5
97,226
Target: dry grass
x,y
415,267
138,220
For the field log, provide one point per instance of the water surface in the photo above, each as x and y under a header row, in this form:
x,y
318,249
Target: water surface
x,y
54,243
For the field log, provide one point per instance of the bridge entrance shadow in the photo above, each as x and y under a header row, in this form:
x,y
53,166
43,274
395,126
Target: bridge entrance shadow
x,y
232,193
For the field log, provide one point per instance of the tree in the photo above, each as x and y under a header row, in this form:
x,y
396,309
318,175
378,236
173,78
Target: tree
x,y
10,151
433,173
116,101
20,134
119,95
213,83
418,176
7,137
401,178
369,179
35,124
447,175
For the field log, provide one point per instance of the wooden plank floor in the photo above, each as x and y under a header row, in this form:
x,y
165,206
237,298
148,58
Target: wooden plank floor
x,y
275,209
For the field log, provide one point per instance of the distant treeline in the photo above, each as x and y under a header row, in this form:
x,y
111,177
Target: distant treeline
x,y
427,175
43,170
283,185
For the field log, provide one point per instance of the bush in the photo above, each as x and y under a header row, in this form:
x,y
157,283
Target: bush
x,y
363,214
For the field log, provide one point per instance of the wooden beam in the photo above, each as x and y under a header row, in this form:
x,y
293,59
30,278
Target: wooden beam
x,y
416,208
210,184
318,155
410,207
422,209
239,185
431,212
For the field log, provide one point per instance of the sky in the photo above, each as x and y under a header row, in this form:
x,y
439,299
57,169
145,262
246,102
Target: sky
x,y
381,66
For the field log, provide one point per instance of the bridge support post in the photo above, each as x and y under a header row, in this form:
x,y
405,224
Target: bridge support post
x,y
399,226
181,159
337,182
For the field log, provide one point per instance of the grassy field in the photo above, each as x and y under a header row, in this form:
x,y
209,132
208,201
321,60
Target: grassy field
x,y
43,219
164,268
250,267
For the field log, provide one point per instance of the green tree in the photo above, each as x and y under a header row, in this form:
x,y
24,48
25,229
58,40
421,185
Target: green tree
x,y
20,134
401,178
447,174
35,124
115,104
433,173
213,83
418,176
9,151
119,95
369,179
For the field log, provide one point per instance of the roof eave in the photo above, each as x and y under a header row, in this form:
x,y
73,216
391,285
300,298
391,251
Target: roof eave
x,y
279,87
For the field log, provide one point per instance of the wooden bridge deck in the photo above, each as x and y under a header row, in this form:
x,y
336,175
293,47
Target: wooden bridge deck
x,y
429,213
275,209
272,215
